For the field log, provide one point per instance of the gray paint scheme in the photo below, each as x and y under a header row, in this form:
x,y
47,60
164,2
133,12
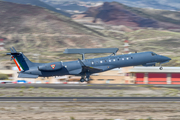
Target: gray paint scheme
x,y
87,67
91,50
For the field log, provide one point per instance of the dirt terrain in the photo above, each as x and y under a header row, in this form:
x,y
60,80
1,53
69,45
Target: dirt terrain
x,y
89,110
130,91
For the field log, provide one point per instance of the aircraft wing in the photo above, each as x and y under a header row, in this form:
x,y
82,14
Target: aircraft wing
x,y
88,69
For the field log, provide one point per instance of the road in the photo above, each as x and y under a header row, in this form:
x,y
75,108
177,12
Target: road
x,y
95,99
82,86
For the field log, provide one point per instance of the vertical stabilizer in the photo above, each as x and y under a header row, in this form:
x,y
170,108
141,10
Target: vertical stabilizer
x,y
21,61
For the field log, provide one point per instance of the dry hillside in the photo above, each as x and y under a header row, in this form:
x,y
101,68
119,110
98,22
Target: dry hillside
x,y
37,30
115,13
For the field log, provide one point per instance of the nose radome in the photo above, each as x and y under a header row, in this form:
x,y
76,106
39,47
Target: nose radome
x,y
166,58
169,58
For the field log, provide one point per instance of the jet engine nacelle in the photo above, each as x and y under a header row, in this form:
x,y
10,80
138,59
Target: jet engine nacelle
x,y
51,66
150,64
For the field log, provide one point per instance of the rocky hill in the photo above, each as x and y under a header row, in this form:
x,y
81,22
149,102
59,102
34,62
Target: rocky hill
x,y
36,30
155,4
40,4
118,14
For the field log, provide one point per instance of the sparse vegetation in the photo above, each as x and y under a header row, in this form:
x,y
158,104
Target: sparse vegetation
x,y
72,118
90,110
3,77
55,32
132,91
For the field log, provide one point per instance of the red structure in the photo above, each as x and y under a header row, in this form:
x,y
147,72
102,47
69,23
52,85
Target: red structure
x,y
175,78
139,78
126,46
152,75
1,44
157,78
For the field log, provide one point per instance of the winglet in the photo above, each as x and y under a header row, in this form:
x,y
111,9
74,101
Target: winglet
x,y
14,49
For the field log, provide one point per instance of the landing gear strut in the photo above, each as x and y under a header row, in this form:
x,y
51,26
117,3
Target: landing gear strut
x,y
85,78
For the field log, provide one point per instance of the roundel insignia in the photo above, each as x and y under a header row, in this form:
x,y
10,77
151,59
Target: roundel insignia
x,y
53,66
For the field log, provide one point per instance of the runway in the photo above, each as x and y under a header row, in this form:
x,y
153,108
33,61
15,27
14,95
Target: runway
x,y
94,99
82,86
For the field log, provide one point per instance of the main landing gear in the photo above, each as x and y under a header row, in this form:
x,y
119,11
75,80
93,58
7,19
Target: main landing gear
x,y
85,78
82,79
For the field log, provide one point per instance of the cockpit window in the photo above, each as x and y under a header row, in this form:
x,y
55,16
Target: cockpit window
x,y
153,54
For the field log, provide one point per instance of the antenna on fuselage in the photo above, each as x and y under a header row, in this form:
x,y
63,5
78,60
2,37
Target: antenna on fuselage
x,y
84,51
83,56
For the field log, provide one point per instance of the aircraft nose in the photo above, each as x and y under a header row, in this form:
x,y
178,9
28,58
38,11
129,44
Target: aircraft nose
x,y
165,59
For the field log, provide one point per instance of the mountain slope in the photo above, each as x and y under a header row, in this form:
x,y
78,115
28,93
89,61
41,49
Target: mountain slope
x,y
37,30
118,14
40,4
156,4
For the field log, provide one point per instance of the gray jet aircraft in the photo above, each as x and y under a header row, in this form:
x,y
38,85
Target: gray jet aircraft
x,y
84,67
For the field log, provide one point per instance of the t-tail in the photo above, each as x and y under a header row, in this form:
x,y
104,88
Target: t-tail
x,y
21,61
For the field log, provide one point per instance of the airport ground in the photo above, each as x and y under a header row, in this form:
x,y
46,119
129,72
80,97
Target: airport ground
x,y
43,90
89,110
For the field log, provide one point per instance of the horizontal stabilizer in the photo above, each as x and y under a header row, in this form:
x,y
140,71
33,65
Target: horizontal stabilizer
x,y
23,75
89,69
91,50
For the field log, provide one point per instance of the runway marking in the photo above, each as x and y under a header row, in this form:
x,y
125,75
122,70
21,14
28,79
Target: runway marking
x,y
94,99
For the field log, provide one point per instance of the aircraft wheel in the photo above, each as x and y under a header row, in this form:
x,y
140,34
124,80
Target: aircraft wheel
x,y
87,79
82,80
161,68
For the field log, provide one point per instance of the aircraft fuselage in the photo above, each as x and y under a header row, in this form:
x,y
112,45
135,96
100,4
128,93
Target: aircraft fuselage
x,y
103,63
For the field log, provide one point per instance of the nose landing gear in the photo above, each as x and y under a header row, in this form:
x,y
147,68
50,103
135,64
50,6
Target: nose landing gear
x,y
161,68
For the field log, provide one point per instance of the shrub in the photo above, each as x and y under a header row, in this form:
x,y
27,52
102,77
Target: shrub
x,y
3,77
